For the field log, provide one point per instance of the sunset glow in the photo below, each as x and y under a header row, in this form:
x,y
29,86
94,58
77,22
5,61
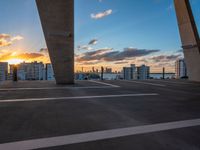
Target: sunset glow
x,y
15,61
111,33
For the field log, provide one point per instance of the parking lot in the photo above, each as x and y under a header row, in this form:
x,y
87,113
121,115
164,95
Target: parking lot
x,y
100,115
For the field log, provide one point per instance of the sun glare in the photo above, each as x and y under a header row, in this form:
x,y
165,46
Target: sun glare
x,y
14,61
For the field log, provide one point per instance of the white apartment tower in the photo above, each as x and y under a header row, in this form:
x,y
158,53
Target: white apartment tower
x,y
49,72
143,72
29,71
3,71
180,69
130,73
127,73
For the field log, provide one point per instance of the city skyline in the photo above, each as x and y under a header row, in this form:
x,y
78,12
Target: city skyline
x,y
124,74
106,33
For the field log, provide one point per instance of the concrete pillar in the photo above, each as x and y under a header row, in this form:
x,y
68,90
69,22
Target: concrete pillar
x,y
189,37
57,18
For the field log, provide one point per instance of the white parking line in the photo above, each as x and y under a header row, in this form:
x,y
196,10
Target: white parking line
x,y
77,97
147,83
54,88
178,82
108,84
98,135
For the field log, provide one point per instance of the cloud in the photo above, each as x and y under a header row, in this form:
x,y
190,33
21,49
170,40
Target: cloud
x,y
7,40
166,58
23,56
180,51
27,56
88,46
90,56
84,47
121,62
108,55
4,36
17,38
5,56
93,42
45,50
90,63
4,43
101,14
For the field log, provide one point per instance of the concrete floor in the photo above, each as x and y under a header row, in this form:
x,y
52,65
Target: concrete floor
x,y
38,109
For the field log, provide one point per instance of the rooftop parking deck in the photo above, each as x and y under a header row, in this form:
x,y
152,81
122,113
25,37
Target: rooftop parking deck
x,y
104,115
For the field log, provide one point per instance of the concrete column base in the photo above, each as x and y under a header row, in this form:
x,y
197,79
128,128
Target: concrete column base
x,y
192,59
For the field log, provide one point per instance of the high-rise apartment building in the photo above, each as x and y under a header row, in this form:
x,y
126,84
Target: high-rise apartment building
x,y
49,72
130,73
29,71
127,73
143,72
3,71
133,72
180,69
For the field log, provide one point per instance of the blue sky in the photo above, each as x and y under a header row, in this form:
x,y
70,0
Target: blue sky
x,y
139,24
149,24
195,4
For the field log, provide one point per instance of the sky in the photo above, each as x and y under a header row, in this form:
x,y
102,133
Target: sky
x,y
110,33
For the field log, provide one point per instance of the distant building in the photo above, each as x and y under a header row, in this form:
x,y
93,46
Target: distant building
x,y
11,67
29,71
80,76
127,73
108,70
133,72
21,75
33,71
49,72
3,71
143,72
180,69
130,73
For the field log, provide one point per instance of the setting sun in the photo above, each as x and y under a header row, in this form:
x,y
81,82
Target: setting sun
x,y
15,61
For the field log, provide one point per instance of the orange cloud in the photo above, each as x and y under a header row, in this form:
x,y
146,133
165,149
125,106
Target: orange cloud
x,y
4,43
24,56
4,36
7,40
28,56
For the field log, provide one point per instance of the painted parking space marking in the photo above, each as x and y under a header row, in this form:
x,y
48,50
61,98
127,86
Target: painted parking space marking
x,y
103,85
146,83
98,135
108,84
54,88
78,97
178,82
